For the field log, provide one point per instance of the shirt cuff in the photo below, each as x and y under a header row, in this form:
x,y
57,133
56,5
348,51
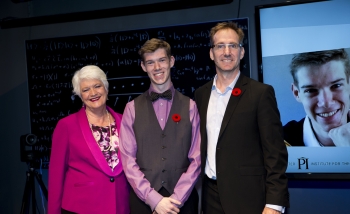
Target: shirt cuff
x,y
276,207
153,199
173,196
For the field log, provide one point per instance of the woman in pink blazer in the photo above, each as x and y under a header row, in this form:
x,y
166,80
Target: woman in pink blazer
x,y
85,172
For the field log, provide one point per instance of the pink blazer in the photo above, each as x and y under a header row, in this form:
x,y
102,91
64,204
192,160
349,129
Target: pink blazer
x,y
80,179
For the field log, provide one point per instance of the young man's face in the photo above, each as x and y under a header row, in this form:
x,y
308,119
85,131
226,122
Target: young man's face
x,y
157,65
324,92
226,59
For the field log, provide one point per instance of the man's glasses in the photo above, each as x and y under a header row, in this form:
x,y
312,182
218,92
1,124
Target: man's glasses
x,y
231,46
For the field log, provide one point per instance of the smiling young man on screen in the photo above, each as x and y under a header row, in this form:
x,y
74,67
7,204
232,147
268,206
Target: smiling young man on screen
x,y
321,84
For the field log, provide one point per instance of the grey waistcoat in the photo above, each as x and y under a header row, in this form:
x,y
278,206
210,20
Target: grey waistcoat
x,y
162,155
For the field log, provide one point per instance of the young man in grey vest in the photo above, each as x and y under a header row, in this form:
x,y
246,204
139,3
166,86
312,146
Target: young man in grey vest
x,y
160,140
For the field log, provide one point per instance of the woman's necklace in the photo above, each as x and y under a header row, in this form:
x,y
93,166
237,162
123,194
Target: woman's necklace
x,y
110,134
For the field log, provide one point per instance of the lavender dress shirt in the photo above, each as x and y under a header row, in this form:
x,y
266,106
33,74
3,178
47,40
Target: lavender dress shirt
x,y
128,149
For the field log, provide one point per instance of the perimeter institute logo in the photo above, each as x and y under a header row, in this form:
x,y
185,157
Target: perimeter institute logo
x,y
303,163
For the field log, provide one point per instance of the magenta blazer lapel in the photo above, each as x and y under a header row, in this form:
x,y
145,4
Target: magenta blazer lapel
x,y
91,142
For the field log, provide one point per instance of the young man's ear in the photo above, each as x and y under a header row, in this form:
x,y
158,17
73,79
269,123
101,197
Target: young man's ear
x,y
143,66
172,61
295,92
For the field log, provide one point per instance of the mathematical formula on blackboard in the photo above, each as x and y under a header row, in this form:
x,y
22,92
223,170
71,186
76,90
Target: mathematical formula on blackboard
x,y
52,62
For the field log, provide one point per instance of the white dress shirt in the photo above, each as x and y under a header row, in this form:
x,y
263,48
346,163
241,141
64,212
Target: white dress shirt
x,y
216,109
308,135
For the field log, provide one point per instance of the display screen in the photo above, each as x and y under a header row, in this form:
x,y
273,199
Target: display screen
x,y
312,40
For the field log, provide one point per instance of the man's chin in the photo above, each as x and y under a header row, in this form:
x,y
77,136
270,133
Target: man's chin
x,y
329,127
331,122
227,70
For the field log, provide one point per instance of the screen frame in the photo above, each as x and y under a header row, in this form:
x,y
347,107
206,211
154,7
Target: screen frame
x,y
258,28
290,175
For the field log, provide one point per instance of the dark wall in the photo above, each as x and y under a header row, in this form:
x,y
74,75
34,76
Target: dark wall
x,y
306,196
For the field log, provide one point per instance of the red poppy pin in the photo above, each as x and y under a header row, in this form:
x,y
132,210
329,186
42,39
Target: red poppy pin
x,y
236,92
176,118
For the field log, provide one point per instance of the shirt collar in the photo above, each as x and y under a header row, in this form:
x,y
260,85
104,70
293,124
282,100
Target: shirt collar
x,y
171,87
308,134
229,87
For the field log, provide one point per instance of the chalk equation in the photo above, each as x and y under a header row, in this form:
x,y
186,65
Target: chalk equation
x,y
52,62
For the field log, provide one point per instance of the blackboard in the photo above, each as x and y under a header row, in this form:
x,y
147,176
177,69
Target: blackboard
x,y
52,62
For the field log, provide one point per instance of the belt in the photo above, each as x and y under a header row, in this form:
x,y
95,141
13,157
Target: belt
x,y
211,180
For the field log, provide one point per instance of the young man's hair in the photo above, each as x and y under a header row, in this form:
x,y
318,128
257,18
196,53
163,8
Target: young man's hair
x,y
318,58
152,45
225,26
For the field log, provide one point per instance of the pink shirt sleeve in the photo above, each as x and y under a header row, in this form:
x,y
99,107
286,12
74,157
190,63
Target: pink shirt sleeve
x,y
188,179
128,149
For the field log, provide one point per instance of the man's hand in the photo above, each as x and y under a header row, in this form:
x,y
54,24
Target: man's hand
x,y
268,210
340,135
167,206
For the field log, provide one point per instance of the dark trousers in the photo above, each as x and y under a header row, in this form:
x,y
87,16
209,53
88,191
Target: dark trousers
x,y
137,206
210,197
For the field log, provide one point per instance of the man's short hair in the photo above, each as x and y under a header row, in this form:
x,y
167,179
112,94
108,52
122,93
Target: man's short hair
x,y
225,26
152,45
318,58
